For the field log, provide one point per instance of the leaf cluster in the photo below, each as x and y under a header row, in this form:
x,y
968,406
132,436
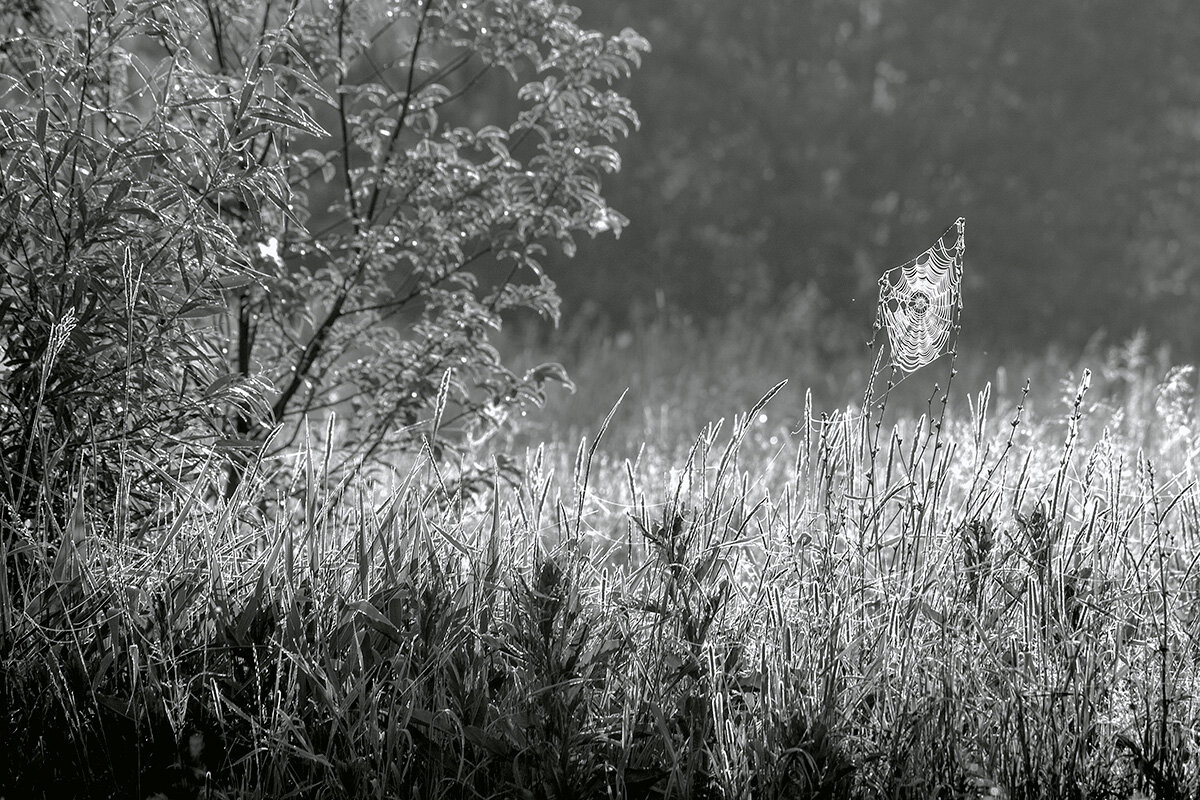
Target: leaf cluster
x,y
223,220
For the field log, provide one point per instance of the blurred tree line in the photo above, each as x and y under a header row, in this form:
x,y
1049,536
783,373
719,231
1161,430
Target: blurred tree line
x,y
787,144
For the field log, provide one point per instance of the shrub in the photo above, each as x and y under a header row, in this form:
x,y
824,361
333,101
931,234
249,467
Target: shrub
x,y
221,219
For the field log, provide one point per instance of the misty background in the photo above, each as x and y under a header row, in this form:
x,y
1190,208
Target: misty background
x,y
801,148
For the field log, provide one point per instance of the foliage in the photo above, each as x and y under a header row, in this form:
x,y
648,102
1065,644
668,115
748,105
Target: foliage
x,y
110,250
224,219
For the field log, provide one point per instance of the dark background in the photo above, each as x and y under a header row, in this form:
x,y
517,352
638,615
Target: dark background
x,y
788,145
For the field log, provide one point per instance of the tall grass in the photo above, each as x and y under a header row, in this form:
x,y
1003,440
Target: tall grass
x,y
972,602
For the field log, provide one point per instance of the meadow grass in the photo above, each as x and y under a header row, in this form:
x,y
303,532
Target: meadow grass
x,y
977,600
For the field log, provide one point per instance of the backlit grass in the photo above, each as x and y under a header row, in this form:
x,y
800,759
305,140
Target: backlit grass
x,y
991,600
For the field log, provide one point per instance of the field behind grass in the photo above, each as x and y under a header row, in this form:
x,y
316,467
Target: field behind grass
x,y
729,589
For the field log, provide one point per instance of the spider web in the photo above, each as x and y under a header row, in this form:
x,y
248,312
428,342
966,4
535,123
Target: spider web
x,y
920,301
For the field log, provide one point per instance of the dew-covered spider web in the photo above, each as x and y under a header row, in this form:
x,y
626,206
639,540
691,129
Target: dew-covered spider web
x,y
919,302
